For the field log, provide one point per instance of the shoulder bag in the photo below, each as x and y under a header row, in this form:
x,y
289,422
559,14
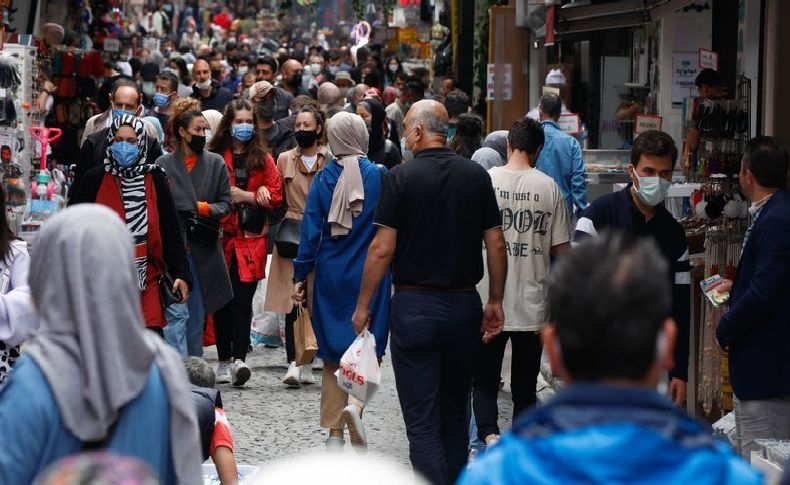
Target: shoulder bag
x,y
251,219
201,229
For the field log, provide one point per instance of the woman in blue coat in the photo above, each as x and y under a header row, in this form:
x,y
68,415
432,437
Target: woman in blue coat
x,y
336,231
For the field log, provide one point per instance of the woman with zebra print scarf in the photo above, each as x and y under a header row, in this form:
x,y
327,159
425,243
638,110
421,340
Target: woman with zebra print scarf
x,y
140,193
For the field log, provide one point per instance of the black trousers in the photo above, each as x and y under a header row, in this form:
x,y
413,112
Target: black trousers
x,y
290,346
434,340
233,322
527,348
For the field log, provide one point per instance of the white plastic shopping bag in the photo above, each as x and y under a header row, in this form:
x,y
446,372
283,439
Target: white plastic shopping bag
x,y
359,373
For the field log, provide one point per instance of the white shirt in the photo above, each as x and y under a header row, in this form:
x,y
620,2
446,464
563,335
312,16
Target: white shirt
x,y
534,219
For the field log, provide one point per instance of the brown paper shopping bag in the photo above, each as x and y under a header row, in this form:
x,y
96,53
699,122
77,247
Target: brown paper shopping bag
x,y
304,337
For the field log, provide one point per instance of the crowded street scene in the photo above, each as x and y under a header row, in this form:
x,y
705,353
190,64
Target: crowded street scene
x,y
430,242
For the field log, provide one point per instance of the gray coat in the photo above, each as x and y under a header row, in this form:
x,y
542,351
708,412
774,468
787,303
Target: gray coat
x,y
211,184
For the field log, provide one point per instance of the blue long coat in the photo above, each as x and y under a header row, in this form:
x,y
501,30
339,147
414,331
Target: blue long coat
x,y
338,264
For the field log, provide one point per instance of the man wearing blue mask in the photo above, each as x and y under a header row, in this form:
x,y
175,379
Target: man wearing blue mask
x,y
125,98
165,96
639,210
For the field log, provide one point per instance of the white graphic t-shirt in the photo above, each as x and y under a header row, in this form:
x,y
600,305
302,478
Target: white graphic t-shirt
x,y
534,219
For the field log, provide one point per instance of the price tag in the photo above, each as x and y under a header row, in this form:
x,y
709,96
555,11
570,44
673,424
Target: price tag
x,y
643,123
708,59
570,124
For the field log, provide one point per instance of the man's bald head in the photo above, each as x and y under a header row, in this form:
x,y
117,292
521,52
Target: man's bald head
x,y
425,126
290,66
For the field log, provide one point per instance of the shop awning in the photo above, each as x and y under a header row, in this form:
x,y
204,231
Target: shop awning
x,y
578,17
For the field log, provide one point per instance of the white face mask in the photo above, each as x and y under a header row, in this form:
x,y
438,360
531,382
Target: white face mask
x,y
393,68
652,190
315,69
204,85
242,70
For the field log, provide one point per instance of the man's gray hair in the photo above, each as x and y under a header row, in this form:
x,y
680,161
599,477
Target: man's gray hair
x,y
199,372
425,116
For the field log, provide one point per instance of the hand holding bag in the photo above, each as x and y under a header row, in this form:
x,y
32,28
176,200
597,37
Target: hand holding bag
x,y
304,337
166,293
359,373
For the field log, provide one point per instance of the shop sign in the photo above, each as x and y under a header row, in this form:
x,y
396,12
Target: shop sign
x,y
708,59
112,45
685,67
507,82
643,123
570,124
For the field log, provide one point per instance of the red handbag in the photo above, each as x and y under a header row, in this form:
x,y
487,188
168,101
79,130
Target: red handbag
x,y
251,258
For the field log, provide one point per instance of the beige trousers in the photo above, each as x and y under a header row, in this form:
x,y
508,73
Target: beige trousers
x,y
334,399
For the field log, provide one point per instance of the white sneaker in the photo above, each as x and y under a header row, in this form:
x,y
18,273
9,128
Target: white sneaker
x,y
335,444
223,373
306,374
318,364
291,378
240,372
356,432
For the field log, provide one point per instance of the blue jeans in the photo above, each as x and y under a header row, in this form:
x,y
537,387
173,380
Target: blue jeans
x,y
184,330
475,443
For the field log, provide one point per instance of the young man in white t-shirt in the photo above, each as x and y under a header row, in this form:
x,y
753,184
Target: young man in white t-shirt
x,y
536,226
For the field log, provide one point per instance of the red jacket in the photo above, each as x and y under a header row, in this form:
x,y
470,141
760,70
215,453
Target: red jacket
x,y
250,251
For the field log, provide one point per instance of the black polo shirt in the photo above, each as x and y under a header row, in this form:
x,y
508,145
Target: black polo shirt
x,y
617,211
440,204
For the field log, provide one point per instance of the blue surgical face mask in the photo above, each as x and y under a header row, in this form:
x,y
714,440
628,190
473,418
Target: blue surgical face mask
x,y
243,132
333,69
161,100
124,153
652,190
117,113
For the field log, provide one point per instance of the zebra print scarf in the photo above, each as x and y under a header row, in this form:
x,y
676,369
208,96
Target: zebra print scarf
x,y
132,183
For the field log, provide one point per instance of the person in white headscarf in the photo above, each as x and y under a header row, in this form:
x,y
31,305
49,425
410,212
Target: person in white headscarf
x,y
336,230
93,377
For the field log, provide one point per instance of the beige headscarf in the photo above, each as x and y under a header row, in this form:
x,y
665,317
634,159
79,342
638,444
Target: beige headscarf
x,y
348,140
213,117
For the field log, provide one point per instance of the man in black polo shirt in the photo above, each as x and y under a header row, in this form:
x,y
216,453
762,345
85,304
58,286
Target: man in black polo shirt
x,y
639,210
433,214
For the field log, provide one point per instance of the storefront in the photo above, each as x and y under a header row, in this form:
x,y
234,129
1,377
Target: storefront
x,y
631,66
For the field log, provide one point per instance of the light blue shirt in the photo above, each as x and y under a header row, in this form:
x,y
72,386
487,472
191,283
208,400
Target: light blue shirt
x,y
561,159
34,435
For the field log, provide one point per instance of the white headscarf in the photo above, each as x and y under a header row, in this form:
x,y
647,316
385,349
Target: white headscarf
x,y
92,346
348,140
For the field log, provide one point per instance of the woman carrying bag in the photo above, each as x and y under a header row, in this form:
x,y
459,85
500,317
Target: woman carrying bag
x,y
140,194
337,230
201,192
297,169
254,187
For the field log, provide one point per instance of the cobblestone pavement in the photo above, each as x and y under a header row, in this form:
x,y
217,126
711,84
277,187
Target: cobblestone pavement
x,y
270,421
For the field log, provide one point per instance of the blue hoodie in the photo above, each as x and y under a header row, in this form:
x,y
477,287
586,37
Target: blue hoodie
x,y
594,433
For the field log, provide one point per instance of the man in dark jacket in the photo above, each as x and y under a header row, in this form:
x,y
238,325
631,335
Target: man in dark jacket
x,y
207,90
756,329
610,339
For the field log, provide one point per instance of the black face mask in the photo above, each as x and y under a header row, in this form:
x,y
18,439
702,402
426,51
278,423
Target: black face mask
x,y
295,81
216,74
197,144
266,109
306,139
